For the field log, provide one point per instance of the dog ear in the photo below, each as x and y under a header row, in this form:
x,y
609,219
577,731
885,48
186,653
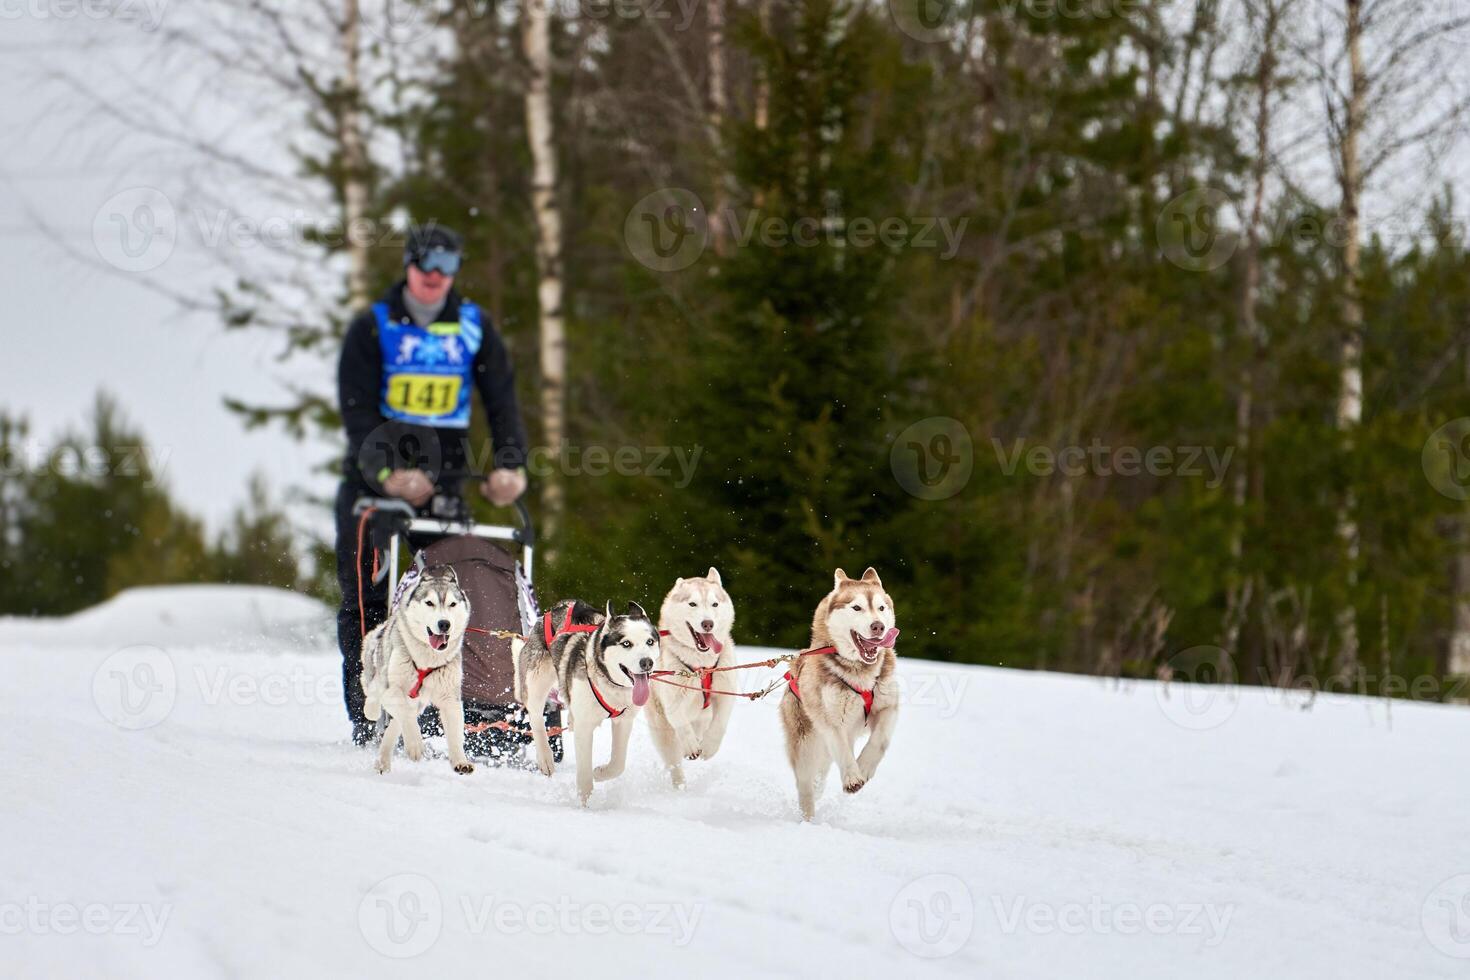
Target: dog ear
x,y
453,575
636,611
839,578
607,612
714,575
871,575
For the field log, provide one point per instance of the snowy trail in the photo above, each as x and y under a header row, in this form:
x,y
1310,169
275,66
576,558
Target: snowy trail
x,y
1023,825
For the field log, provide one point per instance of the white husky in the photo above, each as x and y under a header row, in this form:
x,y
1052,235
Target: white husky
x,y
846,687
695,621
415,659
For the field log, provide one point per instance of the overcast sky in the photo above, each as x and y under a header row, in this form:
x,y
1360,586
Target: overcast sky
x,y
79,321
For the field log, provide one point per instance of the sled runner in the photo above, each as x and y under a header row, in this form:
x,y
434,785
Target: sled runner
x,y
502,600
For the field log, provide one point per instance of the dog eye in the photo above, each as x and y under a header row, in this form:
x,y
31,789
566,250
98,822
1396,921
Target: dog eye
x,y
881,608
714,603
628,644
857,606
693,603
649,643
429,603
453,604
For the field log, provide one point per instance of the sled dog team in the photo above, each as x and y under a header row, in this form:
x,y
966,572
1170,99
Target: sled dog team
x,y
603,663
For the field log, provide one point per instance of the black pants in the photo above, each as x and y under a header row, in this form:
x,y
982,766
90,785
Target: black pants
x,y
354,620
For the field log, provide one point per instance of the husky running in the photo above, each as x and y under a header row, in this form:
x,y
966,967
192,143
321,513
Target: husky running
x,y
831,698
695,620
414,659
601,664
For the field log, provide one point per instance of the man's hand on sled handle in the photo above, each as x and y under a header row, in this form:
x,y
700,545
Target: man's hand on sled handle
x,y
411,485
504,487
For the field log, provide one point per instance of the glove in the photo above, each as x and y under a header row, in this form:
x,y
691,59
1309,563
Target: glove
x,y
411,485
504,487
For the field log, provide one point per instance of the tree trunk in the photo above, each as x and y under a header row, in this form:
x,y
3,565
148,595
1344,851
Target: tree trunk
x,y
540,130
1250,330
1457,659
1350,391
719,231
354,161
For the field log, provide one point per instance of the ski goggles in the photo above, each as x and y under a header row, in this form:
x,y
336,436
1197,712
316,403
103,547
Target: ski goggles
x,y
440,260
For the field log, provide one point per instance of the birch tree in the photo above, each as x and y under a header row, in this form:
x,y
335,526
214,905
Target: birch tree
x,y
541,133
1388,94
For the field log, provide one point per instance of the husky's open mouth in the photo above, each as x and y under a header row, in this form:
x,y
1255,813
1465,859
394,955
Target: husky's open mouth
x,y
438,641
640,687
870,649
705,642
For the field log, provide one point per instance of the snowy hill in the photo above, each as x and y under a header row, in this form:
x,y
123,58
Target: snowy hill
x,y
191,808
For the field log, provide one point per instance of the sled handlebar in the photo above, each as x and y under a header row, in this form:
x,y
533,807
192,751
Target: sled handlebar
x,y
524,535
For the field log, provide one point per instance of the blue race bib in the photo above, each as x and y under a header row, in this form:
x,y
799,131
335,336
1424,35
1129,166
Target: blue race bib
x,y
428,371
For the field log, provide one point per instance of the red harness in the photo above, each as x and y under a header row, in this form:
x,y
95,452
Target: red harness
x,y
413,692
867,696
567,627
605,706
706,679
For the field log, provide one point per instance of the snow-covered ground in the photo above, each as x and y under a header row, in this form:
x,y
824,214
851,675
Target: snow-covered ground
x,y
192,808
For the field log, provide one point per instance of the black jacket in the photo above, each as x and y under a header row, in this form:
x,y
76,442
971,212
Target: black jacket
x,y
444,452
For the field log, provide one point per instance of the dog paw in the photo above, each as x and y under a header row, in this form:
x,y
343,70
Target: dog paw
x,y
547,766
464,768
606,772
853,785
383,767
414,752
694,755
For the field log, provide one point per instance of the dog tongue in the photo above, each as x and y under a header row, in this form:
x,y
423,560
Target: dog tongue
x,y
889,639
709,640
640,689
438,642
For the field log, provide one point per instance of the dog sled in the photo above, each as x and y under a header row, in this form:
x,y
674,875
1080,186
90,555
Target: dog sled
x,y
502,597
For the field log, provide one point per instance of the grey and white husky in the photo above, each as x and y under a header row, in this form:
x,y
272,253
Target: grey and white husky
x,y
832,698
415,659
695,620
601,664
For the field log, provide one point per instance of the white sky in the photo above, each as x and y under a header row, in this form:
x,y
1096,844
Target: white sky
x,y
76,325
